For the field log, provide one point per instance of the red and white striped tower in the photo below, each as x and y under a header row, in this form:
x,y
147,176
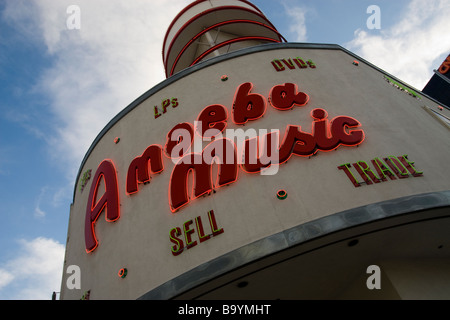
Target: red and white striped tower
x,y
209,28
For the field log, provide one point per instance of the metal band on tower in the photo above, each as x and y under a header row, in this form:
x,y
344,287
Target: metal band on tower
x,y
209,28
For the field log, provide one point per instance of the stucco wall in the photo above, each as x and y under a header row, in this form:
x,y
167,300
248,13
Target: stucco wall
x,y
394,123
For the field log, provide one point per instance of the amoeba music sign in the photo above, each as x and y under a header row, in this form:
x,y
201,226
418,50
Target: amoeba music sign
x,y
254,155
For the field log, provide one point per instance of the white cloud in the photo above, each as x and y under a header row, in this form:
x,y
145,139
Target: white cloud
x,y
52,197
34,273
414,46
297,16
5,278
99,69
38,212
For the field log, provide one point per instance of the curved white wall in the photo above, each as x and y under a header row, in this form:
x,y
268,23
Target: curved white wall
x,y
394,123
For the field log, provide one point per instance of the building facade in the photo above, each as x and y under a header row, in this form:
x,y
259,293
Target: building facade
x,y
439,85
262,169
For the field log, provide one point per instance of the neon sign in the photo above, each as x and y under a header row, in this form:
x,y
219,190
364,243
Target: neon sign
x,y
109,202
292,64
325,135
176,234
84,180
165,104
392,167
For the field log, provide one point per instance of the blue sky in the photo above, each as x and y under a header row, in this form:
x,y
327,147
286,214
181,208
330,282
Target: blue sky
x,y
60,87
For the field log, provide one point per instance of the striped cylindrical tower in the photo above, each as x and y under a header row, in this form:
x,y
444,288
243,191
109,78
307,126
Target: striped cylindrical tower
x,y
208,28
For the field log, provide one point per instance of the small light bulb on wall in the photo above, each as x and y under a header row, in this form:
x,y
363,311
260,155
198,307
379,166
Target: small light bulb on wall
x,y
281,194
122,273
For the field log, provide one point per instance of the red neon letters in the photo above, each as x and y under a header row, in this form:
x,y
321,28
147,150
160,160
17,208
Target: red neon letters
x,y
179,140
247,106
325,135
283,97
212,117
201,165
109,201
139,169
